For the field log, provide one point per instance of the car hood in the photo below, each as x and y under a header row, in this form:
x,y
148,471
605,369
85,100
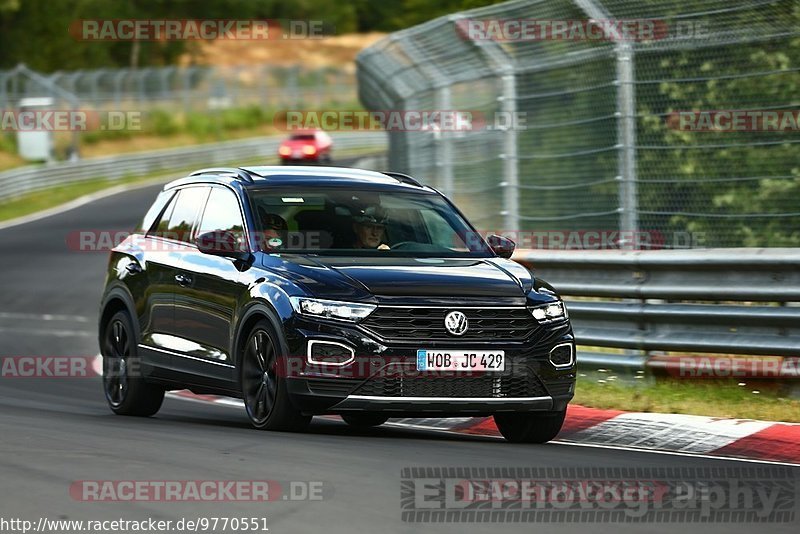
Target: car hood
x,y
348,277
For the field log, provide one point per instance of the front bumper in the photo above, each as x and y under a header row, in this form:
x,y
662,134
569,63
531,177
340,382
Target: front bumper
x,y
434,405
299,160
383,377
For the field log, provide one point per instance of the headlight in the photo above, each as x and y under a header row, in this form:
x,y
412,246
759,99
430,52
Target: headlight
x,y
554,311
331,309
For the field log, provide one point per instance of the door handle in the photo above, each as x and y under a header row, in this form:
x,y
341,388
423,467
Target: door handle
x,y
183,280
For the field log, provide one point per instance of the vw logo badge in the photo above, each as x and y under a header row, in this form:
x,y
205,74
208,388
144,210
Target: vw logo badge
x,y
456,323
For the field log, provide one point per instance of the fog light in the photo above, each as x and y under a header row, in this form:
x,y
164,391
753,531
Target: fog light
x,y
329,353
562,355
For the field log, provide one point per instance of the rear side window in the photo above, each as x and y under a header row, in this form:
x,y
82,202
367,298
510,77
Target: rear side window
x,y
179,218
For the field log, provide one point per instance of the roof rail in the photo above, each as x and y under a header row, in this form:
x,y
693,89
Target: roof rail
x,y
240,174
403,178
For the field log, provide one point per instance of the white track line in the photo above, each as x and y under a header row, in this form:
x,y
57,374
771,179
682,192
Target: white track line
x,y
46,332
675,453
44,317
81,201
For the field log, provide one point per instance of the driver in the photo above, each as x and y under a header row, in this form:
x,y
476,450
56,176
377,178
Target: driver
x,y
369,226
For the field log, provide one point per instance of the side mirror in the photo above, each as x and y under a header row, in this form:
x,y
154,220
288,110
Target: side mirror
x,y
222,243
502,246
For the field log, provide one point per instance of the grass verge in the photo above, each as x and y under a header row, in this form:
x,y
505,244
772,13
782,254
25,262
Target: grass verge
x,y
162,128
55,196
716,399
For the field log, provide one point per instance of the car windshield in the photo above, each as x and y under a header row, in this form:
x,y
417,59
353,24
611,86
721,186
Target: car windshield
x,y
349,222
302,137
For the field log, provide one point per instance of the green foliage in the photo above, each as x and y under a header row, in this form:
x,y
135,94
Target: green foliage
x,y
8,142
94,136
35,32
201,125
241,118
746,184
162,122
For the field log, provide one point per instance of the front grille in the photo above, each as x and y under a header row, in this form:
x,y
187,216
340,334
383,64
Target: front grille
x,y
521,382
426,324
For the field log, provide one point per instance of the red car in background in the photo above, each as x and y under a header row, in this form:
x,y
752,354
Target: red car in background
x,y
306,146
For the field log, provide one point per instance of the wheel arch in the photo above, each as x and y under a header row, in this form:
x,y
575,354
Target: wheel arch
x,y
256,312
117,299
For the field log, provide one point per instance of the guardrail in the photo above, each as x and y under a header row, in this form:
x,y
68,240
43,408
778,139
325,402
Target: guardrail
x,y
725,301
37,177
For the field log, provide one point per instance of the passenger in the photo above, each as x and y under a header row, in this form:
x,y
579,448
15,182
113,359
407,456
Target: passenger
x,y
274,231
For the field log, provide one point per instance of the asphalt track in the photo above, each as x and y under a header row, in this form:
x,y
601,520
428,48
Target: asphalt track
x,y
55,431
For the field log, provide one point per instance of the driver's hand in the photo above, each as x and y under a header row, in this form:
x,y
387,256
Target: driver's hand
x,y
383,246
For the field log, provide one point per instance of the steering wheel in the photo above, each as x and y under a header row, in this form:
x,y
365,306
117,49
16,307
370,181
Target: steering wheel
x,y
402,244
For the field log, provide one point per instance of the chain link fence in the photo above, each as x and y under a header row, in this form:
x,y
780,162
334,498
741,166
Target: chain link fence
x,y
604,147
201,100
186,89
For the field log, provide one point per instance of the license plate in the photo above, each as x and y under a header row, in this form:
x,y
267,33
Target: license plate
x,y
296,155
460,360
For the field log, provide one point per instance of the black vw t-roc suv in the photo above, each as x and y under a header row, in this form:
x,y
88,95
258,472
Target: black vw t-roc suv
x,y
314,290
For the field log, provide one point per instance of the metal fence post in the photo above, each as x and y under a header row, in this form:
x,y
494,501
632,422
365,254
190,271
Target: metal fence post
x,y
164,76
292,87
186,87
94,78
626,125
118,77
444,140
262,85
140,83
510,159
504,67
3,91
626,134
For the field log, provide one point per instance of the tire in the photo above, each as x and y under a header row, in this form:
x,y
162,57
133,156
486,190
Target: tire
x,y
266,399
365,420
529,427
126,393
